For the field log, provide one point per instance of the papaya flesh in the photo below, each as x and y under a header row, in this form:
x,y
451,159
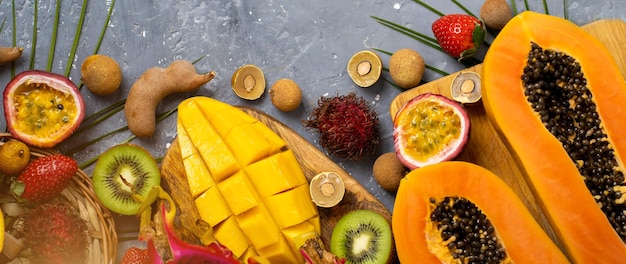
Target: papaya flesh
x,y
556,96
419,241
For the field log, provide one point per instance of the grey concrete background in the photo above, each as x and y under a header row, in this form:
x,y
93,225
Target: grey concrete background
x,y
307,41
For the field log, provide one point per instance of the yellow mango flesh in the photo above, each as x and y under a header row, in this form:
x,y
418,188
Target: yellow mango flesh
x,y
256,185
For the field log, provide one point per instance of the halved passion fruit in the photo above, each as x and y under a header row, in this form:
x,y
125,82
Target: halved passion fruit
x,y
42,108
429,129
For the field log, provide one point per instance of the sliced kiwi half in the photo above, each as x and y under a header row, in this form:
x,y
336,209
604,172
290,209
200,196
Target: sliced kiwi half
x,y
123,176
362,237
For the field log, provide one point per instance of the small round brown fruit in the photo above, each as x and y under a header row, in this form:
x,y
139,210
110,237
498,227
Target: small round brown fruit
x,y
388,171
101,74
14,156
495,14
406,67
286,95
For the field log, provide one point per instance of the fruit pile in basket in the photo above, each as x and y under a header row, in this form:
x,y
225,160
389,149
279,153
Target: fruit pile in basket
x,y
49,213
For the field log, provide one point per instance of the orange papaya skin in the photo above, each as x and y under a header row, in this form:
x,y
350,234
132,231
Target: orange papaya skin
x,y
557,184
520,234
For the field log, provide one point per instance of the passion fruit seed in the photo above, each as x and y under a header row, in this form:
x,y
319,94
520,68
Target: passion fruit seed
x,y
42,108
365,68
466,87
556,89
465,231
101,74
389,171
286,95
14,156
406,67
429,129
248,82
327,189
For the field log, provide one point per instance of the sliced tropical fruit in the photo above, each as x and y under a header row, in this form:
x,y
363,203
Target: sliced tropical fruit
x,y
257,186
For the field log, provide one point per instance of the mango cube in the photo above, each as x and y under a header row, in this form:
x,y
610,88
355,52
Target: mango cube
x,y
298,234
280,252
198,176
229,235
212,207
259,227
239,193
224,120
276,174
247,145
276,141
291,207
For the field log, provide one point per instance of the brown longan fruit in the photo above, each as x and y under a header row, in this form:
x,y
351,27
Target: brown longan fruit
x,y
286,95
406,67
495,13
101,74
388,171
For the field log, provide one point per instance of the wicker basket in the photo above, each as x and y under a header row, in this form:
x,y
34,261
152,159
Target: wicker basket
x,y
103,246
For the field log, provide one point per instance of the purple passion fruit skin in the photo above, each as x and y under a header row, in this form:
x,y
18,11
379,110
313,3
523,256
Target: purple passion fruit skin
x,y
42,108
429,129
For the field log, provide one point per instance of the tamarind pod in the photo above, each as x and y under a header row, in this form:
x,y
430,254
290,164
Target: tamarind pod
x,y
9,54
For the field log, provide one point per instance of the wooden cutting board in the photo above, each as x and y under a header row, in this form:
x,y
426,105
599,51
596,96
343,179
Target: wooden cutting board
x,y
485,147
311,160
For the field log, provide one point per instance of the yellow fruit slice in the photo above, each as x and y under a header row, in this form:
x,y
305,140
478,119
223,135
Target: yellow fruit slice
x,y
276,174
212,207
246,145
239,193
216,155
259,227
298,234
230,235
255,181
291,207
279,252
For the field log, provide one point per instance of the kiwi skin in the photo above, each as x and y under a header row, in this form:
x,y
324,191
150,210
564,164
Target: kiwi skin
x,y
138,169
362,222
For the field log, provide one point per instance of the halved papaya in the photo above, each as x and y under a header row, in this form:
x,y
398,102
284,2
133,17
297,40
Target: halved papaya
x,y
556,96
439,207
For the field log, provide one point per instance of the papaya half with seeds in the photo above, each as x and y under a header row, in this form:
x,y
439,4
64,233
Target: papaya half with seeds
x,y
556,96
459,212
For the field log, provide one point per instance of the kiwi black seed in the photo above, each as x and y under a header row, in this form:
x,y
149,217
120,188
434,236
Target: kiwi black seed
x,y
362,237
123,176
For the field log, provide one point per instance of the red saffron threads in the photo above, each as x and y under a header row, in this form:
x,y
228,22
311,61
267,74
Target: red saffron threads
x,y
348,128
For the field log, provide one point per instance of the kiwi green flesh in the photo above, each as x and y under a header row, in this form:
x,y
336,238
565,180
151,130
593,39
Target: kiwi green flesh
x,y
362,237
119,168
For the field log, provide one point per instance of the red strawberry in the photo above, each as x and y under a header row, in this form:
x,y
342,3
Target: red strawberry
x,y
459,35
135,255
45,178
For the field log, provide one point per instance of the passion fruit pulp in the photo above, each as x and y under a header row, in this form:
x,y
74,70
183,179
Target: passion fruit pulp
x,y
42,108
429,129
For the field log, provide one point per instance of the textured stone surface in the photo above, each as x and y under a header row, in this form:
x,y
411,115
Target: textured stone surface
x,y
307,41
